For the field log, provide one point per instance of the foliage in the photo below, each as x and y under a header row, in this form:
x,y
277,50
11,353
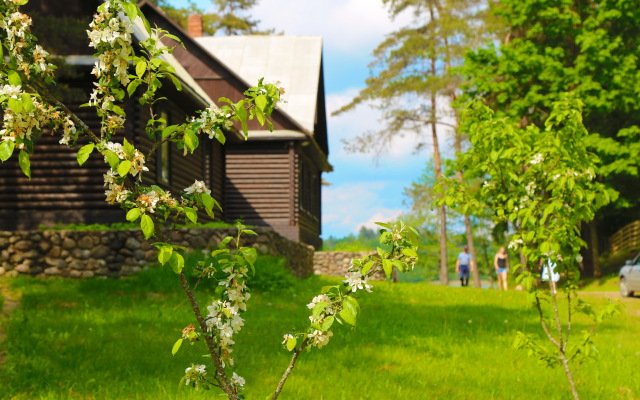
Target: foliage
x,y
127,327
364,241
542,182
272,275
588,47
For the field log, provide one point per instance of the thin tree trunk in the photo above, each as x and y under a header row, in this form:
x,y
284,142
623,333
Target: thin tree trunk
x,y
595,251
442,210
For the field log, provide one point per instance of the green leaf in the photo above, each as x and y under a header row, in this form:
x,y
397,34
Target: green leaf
x,y
177,262
348,314
84,153
241,113
248,232
27,103
14,78
131,10
261,102
319,308
191,140
176,81
124,167
207,201
146,223
177,344
250,254
326,324
112,159
367,267
6,150
164,254
133,85
387,266
382,224
133,214
191,214
409,252
141,68
128,148
291,344
15,105
169,130
25,164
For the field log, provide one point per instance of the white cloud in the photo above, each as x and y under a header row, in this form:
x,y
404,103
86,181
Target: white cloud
x,y
349,206
346,25
363,119
383,215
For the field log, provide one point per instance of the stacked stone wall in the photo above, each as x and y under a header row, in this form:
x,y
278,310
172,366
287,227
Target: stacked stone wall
x,y
336,263
85,254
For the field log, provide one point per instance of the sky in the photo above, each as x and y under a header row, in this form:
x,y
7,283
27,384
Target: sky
x,y
364,188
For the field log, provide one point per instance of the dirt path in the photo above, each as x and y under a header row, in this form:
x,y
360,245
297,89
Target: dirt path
x,y
11,301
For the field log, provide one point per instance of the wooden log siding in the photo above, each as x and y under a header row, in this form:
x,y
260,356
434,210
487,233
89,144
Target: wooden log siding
x,y
60,190
258,186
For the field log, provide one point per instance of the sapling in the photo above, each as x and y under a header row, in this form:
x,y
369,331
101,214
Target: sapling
x,y
541,181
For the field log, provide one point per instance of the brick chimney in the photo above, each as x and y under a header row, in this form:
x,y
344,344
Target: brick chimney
x,y
194,25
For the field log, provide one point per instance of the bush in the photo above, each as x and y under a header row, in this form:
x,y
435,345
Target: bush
x,y
271,275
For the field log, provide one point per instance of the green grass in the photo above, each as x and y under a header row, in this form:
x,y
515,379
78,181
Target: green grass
x,y
111,339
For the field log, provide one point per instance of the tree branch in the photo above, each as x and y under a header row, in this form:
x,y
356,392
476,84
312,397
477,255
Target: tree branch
x,y
221,376
290,368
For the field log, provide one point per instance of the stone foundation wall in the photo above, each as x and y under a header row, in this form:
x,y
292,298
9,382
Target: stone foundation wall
x,y
85,254
336,263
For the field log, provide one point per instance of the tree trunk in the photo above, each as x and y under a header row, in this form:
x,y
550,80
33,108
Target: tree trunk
x,y
442,210
595,251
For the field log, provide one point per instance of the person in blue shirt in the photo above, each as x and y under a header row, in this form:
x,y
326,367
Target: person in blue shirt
x,y
463,265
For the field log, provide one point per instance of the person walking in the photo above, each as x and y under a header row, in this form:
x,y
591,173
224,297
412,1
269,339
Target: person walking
x,y
463,265
501,264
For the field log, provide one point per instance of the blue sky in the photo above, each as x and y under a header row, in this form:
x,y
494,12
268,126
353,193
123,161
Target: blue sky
x,y
362,189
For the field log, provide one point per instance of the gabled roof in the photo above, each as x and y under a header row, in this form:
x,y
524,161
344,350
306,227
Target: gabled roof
x,y
188,83
294,61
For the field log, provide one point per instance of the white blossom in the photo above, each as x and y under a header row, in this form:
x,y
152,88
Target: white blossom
x,y
319,338
237,380
197,187
287,337
514,244
318,299
537,159
357,281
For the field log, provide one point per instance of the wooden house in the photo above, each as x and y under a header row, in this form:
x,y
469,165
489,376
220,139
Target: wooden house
x,y
273,179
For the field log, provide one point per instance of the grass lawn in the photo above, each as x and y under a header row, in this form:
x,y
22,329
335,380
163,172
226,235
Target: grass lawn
x,y
111,339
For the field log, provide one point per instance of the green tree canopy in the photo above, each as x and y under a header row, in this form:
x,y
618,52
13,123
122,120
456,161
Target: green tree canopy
x,y
588,47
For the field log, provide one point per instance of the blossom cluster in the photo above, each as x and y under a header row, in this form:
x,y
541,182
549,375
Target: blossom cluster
x,y
357,281
212,121
137,158
28,121
224,319
318,337
197,187
19,40
147,202
111,35
195,374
